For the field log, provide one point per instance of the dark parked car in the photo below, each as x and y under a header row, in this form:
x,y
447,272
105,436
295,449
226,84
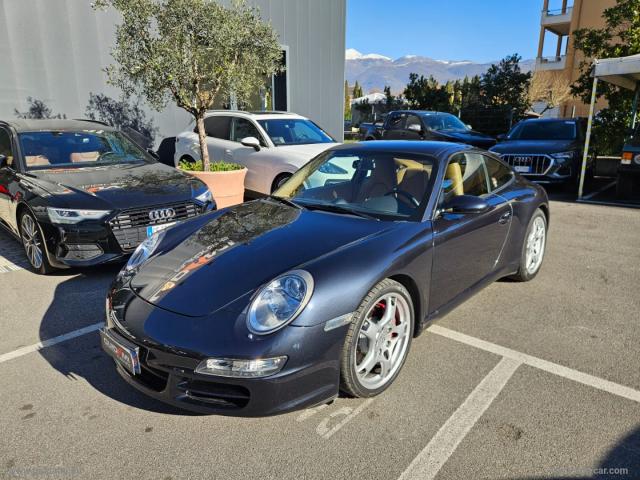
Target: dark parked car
x,y
546,150
279,303
629,168
426,125
80,193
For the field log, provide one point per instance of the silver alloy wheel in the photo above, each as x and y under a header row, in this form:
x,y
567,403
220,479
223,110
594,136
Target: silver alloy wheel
x,y
535,245
31,241
383,340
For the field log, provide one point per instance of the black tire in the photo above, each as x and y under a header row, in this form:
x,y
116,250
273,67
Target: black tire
x,y
350,384
279,180
523,274
624,187
33,238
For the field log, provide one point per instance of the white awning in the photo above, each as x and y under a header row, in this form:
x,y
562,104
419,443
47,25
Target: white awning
x,y
623,71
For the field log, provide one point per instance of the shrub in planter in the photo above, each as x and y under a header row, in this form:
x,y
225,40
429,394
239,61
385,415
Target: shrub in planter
x,y
224,179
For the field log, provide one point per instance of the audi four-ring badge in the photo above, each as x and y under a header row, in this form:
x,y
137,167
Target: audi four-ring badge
x,y
280,303
80,193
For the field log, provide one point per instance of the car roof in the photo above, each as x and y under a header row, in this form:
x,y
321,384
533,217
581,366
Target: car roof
x,y
423,112
31,125
551,120
264,115
436,149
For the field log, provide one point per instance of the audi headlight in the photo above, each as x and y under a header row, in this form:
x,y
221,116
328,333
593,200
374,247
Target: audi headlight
x,y
68,215
563,156
637,159
205,197
280,302
144,251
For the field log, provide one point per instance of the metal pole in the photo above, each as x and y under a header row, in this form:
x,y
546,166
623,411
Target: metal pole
x,y
634,108
585,155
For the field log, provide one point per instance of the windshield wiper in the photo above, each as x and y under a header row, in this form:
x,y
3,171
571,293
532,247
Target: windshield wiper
x,y
286,201
330,207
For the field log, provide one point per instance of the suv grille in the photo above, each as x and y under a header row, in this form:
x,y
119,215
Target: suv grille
x,y
535,164
130,226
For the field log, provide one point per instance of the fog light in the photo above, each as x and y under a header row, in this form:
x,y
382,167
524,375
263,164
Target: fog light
x,y
83,251
233,367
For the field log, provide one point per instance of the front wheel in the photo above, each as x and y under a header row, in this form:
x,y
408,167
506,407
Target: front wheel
x,y
33,244
533,248
378,340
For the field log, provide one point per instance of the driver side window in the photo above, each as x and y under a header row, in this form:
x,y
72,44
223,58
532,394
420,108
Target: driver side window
x,y
243,128
396,122
466,174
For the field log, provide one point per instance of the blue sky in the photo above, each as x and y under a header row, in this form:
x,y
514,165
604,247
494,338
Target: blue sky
x,y
476,30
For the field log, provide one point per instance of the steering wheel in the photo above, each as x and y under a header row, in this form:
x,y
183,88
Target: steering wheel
x,y
406,195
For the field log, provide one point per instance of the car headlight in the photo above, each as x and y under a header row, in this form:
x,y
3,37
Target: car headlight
x,y
144,251
205,197
563,156
637,159
280,302
68,215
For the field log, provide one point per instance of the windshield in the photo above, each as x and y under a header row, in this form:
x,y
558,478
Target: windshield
x,y
536,130
443,121
75,149
380,184
294,131
634,140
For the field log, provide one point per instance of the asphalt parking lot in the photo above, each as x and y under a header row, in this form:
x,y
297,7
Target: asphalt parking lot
x,y
524,381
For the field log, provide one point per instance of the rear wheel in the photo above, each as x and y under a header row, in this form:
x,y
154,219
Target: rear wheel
x,y
378,340
533,248
33,244
279,181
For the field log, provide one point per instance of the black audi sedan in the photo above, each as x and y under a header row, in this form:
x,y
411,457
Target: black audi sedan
x,y
80,193
282,302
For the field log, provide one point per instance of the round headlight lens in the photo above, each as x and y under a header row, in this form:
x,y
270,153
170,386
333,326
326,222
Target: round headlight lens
x,y
637,159
279,302
144,251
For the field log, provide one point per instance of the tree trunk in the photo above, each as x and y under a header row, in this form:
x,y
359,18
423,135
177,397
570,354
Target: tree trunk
x,y
202,138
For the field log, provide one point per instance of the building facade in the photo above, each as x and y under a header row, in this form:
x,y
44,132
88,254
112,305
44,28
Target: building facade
x,y
556,51
54,52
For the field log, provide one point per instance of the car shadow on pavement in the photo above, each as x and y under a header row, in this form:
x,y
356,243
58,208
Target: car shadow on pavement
x,y
79,302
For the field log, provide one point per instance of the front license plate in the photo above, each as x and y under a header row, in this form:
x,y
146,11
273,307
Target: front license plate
x,y
158,228
123,352
523,168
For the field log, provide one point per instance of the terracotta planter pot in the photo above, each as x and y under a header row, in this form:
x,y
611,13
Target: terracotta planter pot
x,y
227,187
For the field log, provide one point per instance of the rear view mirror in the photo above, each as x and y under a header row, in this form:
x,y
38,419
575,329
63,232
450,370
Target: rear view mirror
x,y
4,161
252,142
465,204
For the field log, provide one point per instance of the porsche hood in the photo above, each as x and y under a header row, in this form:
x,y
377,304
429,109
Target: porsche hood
x,y
240,250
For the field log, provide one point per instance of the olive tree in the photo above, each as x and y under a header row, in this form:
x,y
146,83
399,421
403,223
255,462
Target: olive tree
x,y
193,52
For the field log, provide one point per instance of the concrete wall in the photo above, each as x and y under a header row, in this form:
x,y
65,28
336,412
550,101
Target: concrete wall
x,y
55,50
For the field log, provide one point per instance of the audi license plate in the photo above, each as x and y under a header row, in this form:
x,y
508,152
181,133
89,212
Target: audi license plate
x,y
123,352
151,229
522,168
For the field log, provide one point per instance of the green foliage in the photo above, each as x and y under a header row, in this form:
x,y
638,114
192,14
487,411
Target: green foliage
x,y
37,110
619,37
505,84
357,90
426,94
193,52
347,101
220,166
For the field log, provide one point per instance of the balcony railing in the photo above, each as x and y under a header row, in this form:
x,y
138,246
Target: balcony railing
x,y
558,11
558,20
551,63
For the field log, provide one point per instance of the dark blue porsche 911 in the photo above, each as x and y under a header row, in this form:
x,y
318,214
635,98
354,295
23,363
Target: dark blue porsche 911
x,y
283,302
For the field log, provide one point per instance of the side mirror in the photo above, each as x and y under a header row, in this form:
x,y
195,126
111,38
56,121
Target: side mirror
x,y
153,153
469,127
4,161
465,204
415,128
502,137
251,142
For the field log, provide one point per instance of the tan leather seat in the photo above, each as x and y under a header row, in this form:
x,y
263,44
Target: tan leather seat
x,y
37,161
414,182
381,182
454,173
77,157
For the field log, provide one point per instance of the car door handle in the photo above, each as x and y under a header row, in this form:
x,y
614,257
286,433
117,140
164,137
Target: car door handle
x,y
504,218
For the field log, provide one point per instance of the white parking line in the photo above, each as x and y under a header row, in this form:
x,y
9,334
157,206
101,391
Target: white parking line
x,y
431,459
349,413
554,368
5,357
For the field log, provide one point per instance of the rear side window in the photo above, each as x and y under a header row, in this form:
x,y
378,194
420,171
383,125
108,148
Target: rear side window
x,y
498,173
218,127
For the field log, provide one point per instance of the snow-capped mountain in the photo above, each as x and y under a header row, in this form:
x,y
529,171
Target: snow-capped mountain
x,y
374,71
